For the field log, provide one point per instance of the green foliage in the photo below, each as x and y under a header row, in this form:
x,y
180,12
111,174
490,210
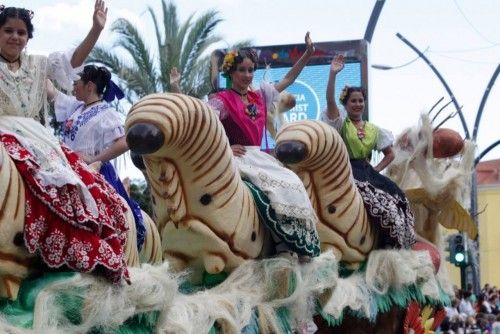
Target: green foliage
x,y
139,191
179,45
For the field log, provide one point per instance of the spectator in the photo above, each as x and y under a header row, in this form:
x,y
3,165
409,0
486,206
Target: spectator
x,y
465,306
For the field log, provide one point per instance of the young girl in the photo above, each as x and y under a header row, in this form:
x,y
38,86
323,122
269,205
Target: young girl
x,y
73,217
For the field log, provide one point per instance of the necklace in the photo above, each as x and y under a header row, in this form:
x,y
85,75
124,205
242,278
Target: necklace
x,y
240,94
360,130
92,103
10,64
250,108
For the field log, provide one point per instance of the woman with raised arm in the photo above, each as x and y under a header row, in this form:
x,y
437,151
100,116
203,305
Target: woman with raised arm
x,y
94,129
386,203
73,217
242,112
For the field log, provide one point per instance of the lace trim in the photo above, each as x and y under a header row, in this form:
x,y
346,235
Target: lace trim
x,y
267,182
391,214
218,107
22,93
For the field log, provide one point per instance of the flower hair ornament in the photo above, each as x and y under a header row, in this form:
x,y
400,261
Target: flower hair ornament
x,y
343,94
228,62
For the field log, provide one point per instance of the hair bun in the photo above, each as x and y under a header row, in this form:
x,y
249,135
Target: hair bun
x,y
105,73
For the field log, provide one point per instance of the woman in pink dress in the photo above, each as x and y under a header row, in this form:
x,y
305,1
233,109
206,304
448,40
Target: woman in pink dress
x,y
280,195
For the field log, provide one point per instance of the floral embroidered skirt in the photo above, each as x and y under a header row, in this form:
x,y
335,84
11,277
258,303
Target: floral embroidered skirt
x,y
59,224
282,200
387,206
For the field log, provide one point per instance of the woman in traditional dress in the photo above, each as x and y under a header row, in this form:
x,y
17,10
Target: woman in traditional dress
x,y
73,217
242,112
386,204
94,129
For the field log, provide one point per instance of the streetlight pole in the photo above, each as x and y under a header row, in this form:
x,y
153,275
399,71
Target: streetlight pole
x,y
370,28
440,77
473,195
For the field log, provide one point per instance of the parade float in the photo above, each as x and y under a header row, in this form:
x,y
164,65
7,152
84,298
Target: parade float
x,y
219,273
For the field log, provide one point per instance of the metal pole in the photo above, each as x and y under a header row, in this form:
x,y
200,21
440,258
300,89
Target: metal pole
x,y
483,102
370,28
486,151
436,72
474,255
476,273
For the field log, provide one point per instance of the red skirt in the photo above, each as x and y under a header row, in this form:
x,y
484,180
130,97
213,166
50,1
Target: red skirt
x,y
58,224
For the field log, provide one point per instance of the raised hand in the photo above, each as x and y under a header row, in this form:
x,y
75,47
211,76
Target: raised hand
x,y
175,76
100,14
337,63
175,80
309,43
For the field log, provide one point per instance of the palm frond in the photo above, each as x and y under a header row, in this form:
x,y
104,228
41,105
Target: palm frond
x,y
199,35
170,20
197,81
171,53
133,82
105,57
156,26
134,44
179,44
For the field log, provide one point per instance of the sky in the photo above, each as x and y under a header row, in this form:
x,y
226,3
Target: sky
x,y
462,39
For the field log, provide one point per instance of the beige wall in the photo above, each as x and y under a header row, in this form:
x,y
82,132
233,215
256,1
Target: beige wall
x,y
489,233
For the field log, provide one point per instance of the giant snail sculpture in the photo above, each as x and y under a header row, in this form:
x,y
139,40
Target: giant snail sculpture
x,y
208,221
197,190
16,263
206,216
315,152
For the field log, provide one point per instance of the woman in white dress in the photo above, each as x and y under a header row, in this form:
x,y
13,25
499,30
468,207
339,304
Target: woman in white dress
x,y
94,129
74,219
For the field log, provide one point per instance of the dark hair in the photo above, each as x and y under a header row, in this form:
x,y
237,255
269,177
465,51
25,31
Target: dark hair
x,y
238,59
17,13
347,91
99,75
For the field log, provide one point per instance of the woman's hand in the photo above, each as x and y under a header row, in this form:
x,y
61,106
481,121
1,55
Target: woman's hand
x,y
87,158
337,64
309,43
175,80
100,15
238,150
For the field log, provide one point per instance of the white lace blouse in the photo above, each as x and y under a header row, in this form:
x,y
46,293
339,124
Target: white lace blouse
x,y
88,130
385,137
23,92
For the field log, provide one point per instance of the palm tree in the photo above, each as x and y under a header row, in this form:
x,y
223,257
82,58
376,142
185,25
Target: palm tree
x,y
179,45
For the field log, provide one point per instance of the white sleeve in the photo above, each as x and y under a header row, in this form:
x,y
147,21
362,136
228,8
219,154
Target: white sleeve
x,y
270,93
385,139
112,128
65,106
336,123
59,69
218,107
